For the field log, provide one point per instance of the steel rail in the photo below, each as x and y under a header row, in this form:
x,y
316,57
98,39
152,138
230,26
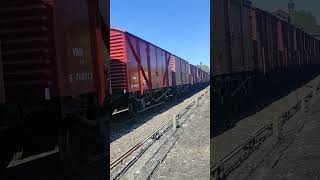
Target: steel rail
x,y
218,168
135,147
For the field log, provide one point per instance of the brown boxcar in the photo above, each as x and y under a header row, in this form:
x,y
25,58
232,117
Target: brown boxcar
x,y
53,55
60,38
137,65
233,46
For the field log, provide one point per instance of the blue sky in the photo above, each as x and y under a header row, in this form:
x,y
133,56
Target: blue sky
x,y
181,27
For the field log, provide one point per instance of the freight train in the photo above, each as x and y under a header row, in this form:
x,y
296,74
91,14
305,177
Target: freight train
x,y
53,81
249,46
144,75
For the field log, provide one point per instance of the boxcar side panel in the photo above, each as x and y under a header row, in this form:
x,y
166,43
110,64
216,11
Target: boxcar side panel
x,y
232,45
169,70
183,72
220,62
173,67
2,90
118,62
235,19
247,41
159,72
132,66
27,65
178,71
144,63
189,74
153,65
78,47
163,77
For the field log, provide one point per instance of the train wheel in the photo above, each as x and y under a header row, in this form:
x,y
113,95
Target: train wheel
x,y
133,108
83,149
166,98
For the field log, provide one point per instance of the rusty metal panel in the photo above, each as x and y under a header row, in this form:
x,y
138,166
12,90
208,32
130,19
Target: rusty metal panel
x,y
221,61
173,67
169,70
272,41
232,43
160,67
27,50
74,51
144,53
259,41
184,72
189,74
81,39
280,37
269,41
256,42
194,74
197,74
236,35
246,36
2,92
132,66
48,50
154,66
118,68
178,71
254,31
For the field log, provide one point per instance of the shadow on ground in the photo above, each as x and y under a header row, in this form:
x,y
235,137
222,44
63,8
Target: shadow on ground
x,y
277,86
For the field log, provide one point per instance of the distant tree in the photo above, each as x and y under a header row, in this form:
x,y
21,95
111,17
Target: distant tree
x,y
304,18
204,67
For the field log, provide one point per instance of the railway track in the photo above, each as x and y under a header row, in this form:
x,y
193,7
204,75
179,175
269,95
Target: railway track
x,y
121,119
238,155
120,165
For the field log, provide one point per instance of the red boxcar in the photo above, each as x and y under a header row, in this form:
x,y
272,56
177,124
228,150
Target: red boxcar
x,y
137,65
53,54
59,38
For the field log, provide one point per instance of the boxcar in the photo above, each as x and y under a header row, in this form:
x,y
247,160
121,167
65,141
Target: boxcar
x,y
232,64
233,47
53,74
144,66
